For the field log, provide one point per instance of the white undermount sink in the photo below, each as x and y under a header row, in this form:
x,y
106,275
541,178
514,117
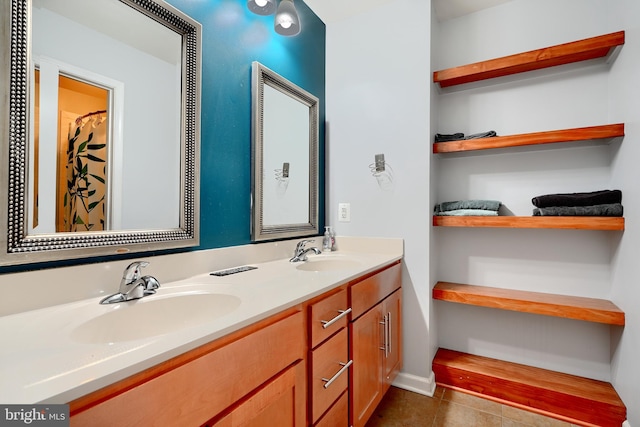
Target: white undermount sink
x,y
327,263
156,315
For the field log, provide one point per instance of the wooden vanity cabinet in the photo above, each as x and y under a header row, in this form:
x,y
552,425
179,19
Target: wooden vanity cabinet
x,y
324,363
376,340
250,376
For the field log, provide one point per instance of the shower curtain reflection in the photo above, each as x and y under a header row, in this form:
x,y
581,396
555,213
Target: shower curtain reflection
x,y
83,188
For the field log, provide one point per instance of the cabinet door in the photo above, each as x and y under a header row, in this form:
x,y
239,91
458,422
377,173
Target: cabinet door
x,y
367,354
392,309
281,402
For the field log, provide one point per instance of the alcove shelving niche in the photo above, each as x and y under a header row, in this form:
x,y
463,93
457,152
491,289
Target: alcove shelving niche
x,y
578,400
603,134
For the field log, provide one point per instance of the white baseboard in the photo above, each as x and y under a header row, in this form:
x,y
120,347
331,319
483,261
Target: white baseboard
x,y
426,386
626,424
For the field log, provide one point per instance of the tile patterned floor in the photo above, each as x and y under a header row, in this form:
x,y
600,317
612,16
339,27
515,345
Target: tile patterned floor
x,y
448,408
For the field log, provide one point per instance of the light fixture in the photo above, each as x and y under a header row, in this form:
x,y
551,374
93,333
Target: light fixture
x,y
287,22
262,7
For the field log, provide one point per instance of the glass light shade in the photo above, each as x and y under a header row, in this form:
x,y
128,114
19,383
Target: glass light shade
x,y
287,22
262,7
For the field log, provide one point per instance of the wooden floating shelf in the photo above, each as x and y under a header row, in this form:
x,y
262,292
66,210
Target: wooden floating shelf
x,y
553,222
581,50
569,307
571,398
603,132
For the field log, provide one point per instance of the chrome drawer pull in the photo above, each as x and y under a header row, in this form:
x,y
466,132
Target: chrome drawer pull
x,y
327,323
345,366
385,345
389,334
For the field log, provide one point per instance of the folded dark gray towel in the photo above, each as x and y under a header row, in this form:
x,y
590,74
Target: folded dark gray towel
x,y
578,199
611,209
488,205
488,134
443,137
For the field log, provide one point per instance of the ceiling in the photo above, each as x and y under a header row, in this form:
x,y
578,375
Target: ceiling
x,y
336,10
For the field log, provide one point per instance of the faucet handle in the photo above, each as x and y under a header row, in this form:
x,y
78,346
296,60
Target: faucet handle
x,y
132,272
301,244
132,286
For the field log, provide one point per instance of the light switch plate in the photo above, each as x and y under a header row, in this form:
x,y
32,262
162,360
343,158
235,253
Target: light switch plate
x,y
344,212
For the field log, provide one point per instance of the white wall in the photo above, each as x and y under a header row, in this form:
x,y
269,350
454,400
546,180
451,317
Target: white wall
x,y
586,263
378,71
624,106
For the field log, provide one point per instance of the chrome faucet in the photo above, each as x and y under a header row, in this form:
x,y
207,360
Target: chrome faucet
x,y
132,286
301,252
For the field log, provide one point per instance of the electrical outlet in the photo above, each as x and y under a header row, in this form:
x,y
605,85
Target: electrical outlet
x,y
344,212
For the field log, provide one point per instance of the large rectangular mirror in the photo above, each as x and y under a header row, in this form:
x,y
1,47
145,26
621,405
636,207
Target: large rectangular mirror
x,y
285,159
103,125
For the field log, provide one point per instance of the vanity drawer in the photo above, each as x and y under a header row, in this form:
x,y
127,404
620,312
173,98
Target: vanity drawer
x,y
328,316
370,291
330,373
338,415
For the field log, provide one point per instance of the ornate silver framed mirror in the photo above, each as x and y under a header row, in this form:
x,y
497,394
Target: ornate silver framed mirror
x,y
285,159
102,129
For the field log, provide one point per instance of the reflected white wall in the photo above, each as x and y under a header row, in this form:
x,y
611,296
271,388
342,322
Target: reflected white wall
x,y
150,190
285,132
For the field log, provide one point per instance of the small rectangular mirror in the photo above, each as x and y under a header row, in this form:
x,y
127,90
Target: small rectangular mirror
x,y
285,133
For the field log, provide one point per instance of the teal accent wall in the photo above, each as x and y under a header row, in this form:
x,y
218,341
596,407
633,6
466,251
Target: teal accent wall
x,y
232,38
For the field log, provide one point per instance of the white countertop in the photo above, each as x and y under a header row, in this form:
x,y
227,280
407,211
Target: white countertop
x,y
42,360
